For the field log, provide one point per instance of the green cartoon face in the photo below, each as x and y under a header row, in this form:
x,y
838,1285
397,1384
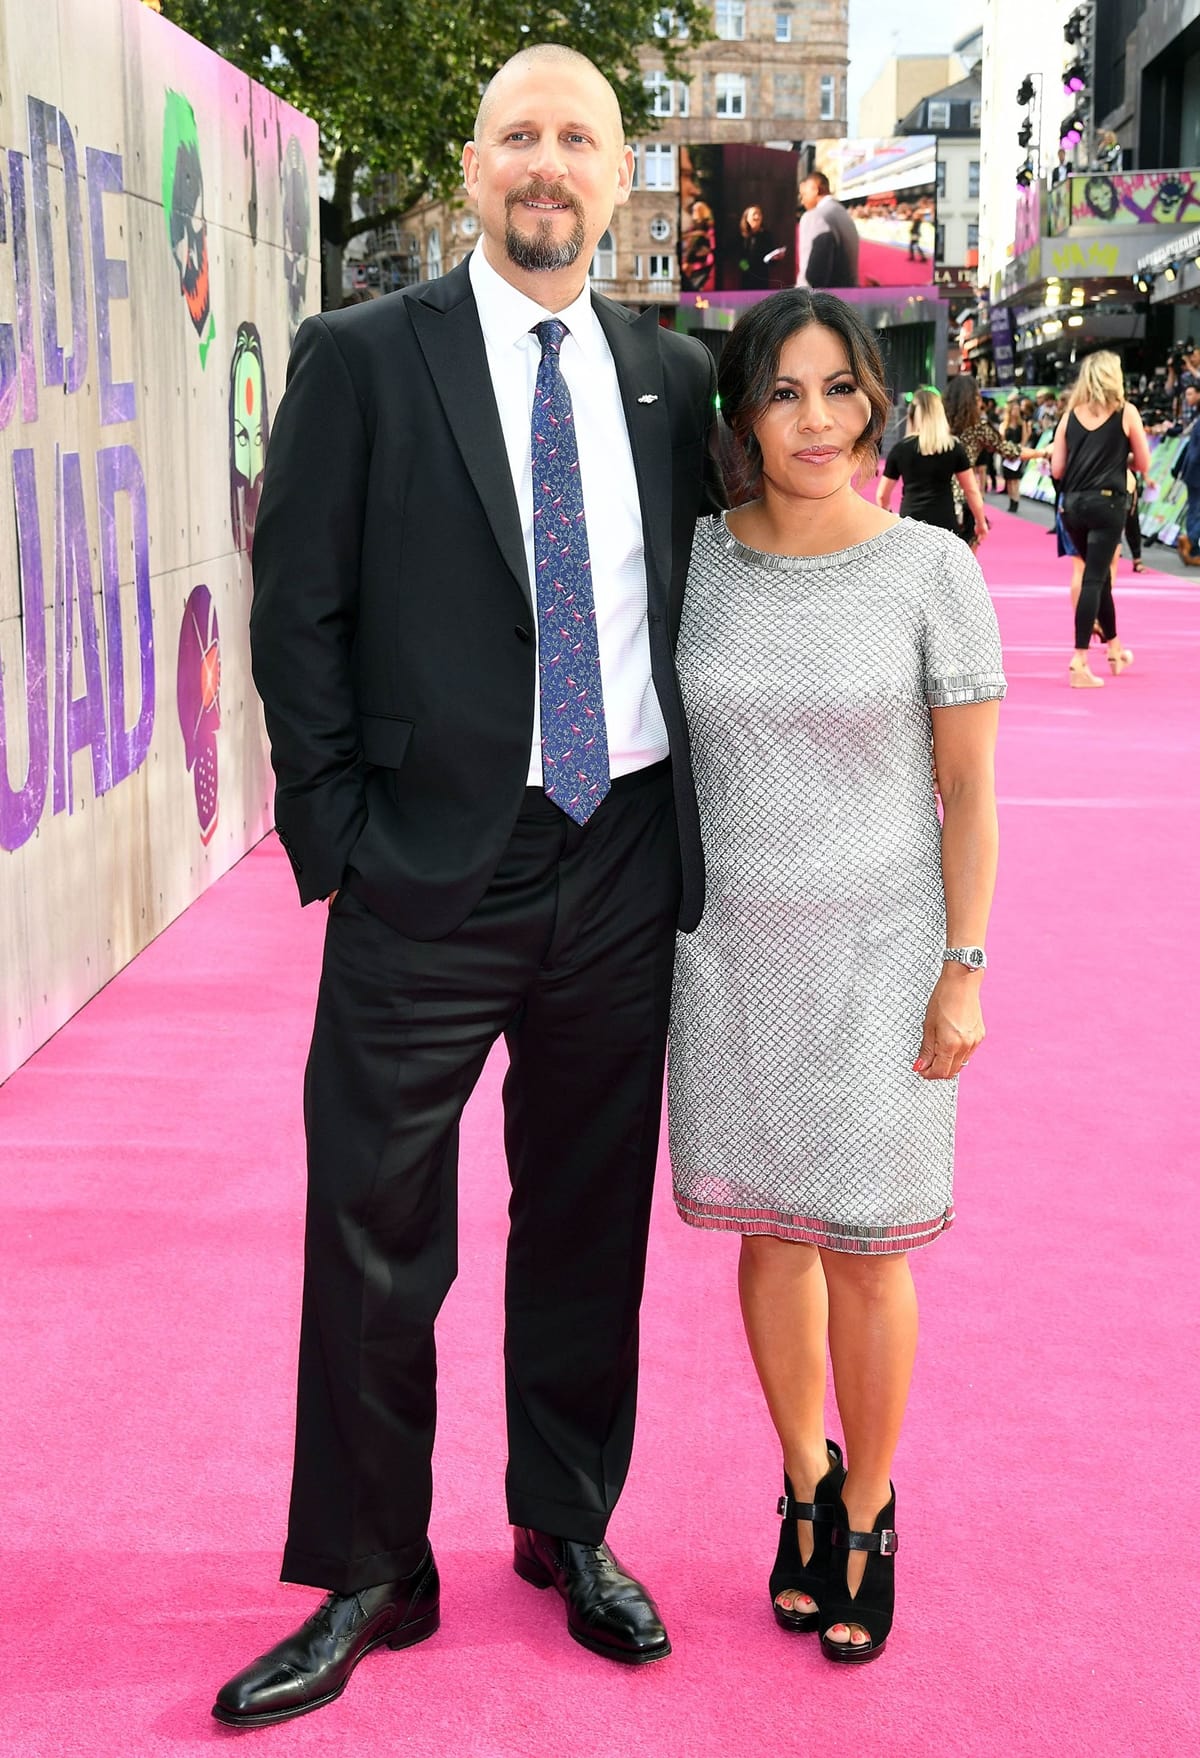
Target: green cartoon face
x,y
249,403
249,434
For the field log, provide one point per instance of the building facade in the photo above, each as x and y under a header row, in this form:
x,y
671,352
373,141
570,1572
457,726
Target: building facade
x,y
900,85
776,73
1100,248
953,115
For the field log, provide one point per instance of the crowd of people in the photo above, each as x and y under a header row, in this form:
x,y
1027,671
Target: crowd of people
x,y
953,448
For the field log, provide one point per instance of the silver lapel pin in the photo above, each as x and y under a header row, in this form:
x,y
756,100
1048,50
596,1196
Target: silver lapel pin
x,y
649,397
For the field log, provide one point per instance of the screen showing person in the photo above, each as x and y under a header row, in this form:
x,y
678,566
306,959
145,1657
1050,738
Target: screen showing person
x,y
868,213
737,230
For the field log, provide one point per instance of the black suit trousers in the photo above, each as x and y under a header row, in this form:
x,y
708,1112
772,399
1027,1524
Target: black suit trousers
x,y
569,954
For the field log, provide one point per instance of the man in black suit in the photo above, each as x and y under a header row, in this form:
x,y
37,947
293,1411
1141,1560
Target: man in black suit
x,y
469,565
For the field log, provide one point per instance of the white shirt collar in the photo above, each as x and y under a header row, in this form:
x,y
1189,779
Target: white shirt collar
x,y
506,315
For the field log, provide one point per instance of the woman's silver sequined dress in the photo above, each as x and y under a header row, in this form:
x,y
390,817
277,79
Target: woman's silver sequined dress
x,y
799,1000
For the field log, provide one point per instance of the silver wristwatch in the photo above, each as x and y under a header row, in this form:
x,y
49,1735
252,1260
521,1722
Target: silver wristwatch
x,y
974,957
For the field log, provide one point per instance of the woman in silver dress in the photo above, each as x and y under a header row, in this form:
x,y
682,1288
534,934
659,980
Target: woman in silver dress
x,y
830,997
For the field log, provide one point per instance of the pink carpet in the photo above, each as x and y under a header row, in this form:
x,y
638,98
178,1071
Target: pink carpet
x,y
1048,1572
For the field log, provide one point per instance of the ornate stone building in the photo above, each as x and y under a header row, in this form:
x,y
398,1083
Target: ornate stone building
x,y
775,74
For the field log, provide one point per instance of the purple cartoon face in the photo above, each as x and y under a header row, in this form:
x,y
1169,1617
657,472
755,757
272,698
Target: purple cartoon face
x,y
198,693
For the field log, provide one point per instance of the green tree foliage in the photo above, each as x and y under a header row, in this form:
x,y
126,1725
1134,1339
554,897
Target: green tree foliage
x,y
394,84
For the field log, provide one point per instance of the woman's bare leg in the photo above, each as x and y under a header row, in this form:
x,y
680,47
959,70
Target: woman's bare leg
x,y
785,1312
872,1342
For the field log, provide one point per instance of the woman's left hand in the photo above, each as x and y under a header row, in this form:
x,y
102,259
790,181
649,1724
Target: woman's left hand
x,y
953,1028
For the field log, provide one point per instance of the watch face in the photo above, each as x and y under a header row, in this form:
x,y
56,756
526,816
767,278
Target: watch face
x,y
975,956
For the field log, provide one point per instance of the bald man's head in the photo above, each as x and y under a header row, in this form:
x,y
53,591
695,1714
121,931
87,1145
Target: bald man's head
x,y
540,53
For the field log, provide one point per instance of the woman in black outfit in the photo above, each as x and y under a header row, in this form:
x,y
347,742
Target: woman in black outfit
x,y
1093,445
930,460
1017,431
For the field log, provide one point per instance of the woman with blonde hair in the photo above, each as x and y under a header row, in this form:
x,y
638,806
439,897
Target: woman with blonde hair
x,y
1095,440
930,460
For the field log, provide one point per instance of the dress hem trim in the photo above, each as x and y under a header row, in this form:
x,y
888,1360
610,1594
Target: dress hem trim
x,y
809,1230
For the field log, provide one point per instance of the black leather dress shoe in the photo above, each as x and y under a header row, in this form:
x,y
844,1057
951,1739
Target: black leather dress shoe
x,y
311,1667
607,1610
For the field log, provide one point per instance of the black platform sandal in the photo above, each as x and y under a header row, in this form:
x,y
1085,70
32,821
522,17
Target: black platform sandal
x,y
872,1607
790,1575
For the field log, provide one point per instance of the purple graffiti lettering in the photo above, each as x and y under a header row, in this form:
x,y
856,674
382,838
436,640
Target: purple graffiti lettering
x,y
21,808
119,471
22,278
48,126
78,720
8,342
110,280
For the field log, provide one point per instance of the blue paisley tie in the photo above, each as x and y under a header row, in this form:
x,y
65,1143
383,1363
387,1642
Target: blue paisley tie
x,y
574,738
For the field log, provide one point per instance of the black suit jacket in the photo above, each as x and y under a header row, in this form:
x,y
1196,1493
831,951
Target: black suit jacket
x,y
391,630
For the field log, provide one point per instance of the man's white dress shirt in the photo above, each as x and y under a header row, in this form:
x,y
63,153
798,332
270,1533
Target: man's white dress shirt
x,y
637,736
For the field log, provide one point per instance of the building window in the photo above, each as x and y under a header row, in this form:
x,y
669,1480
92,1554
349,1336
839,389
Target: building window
x,y
660,229
783,27
661,268
433,254
937,115
939,244
657,164
662,94
604,263
684,94
972,235
639,268
731,94
730,18
941,176
667,25
973,179
828,97
976,112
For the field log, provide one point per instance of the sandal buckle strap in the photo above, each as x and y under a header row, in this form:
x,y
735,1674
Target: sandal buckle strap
x,y
887,1542
793,1510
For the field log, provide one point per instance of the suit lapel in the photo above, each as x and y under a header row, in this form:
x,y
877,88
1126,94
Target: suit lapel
x,y
637,356
446,323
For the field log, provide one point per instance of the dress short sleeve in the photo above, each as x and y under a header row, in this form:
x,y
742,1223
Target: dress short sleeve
x,y
894,468
961,636
959,458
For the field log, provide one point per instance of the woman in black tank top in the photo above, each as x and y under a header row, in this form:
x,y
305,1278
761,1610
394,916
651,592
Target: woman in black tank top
x,y
1092,449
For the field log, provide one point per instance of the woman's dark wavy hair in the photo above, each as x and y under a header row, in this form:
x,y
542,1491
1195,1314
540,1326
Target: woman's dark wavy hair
x,y
962,402
750,365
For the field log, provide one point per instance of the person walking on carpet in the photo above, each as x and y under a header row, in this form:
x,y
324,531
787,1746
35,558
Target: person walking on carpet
x,y
970,425
1095,440
827,1004
929,461
1186,469
469,567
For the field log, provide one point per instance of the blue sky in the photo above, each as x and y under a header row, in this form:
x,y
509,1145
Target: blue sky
x,y
927,27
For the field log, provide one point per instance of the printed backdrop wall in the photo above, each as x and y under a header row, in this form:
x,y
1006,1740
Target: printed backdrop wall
x,y
158,249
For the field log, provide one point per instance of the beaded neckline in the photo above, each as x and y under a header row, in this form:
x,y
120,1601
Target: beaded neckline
x,y
798,564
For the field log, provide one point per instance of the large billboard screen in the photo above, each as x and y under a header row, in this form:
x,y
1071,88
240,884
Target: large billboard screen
x,y
834,213
738,218
888,189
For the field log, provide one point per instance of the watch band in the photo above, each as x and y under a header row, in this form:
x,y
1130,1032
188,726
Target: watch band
x,y
974,957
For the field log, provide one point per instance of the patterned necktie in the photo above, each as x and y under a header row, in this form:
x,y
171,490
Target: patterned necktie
x,y
574,738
